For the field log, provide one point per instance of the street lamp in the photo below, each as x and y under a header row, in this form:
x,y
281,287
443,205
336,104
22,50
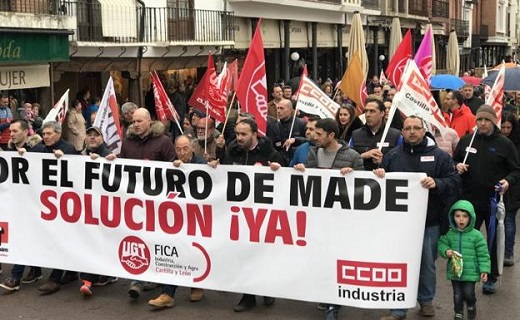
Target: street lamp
x,y
295,56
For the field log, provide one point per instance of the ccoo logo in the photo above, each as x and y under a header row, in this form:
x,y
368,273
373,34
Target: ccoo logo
x,y
134,255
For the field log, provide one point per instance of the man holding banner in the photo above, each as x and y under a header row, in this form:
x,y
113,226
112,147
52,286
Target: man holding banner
x,y
419,153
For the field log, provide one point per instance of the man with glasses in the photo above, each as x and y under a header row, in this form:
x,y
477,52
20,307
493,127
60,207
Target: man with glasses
x,y
419,153
367,139
209,142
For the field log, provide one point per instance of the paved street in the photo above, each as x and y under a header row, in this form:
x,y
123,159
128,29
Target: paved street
x,y
112,302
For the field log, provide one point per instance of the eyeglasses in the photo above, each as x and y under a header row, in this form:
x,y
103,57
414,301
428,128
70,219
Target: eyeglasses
x,y
408,129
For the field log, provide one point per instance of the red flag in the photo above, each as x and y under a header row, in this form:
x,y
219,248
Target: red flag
x,y
207,97
163,105
252,85
304,73
397,63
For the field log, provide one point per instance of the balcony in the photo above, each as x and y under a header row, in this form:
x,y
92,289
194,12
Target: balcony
x,y
371,4
461,27
418,7
126,23
49,7
440,9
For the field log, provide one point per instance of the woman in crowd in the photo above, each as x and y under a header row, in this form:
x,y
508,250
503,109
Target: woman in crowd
x,y
347,121
511,129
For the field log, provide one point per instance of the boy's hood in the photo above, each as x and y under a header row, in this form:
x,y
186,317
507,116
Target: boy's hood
x,y
466,206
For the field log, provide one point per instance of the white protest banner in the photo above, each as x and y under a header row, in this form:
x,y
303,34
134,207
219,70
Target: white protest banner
x,y
107,119
59,111
351,240
415,98
311,99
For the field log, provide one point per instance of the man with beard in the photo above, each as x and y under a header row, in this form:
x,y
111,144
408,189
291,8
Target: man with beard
x,y
207,145
302,152
250,149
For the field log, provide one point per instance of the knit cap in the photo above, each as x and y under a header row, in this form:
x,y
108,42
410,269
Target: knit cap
x,y
487,112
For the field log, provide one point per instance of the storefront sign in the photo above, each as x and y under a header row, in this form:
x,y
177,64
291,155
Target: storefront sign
x,y
31,48
22,77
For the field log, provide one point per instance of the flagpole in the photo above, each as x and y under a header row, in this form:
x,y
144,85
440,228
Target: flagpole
x,y
206,129
292,125
335,93
229,111
469,146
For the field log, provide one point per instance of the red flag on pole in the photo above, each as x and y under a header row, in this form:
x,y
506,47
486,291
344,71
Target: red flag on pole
x,y
304,73
207,97
397,63
163,105
252,85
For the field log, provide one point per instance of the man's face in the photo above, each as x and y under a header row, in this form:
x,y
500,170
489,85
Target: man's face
x,y
246,139
50,137
4,102
284,110
93,140
287,93
450,101
467,92
485,126
374,117
413,131
183,149
309,130
141,122
201,129
322,139
129,115
378,91
391,93
388,105
277,93
18,136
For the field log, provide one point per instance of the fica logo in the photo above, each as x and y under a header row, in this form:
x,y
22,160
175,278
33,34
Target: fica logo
x,y
134,255
4,233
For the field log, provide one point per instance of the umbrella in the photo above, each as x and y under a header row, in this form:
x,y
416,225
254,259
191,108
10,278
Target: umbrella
x,y
501,234
511,80
453,57
357,42
446,81
395,36
472,80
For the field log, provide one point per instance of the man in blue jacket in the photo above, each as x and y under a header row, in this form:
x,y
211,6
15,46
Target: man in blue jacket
x,y
419,153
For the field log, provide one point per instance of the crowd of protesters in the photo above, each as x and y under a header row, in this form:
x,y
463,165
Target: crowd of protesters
x,y
460,165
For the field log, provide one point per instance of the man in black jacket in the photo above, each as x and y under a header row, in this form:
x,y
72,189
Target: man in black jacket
x,y
487,164
250,149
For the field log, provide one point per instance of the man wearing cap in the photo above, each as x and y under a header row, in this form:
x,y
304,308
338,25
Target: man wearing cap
x,y
95,145
95,148
487,165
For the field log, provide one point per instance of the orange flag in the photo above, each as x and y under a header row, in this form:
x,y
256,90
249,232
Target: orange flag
x,y
353,83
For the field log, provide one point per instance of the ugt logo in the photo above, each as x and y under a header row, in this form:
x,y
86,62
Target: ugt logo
x,y
4,233
134,255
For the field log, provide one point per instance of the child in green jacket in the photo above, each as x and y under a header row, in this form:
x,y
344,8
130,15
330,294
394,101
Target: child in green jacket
x,y
468,257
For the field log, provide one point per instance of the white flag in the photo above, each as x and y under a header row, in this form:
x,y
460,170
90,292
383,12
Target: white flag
x,y
107,119
59,111
314,101
495,98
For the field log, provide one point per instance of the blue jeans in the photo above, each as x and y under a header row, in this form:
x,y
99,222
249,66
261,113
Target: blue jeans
x,y
510,224
463,291
427,277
